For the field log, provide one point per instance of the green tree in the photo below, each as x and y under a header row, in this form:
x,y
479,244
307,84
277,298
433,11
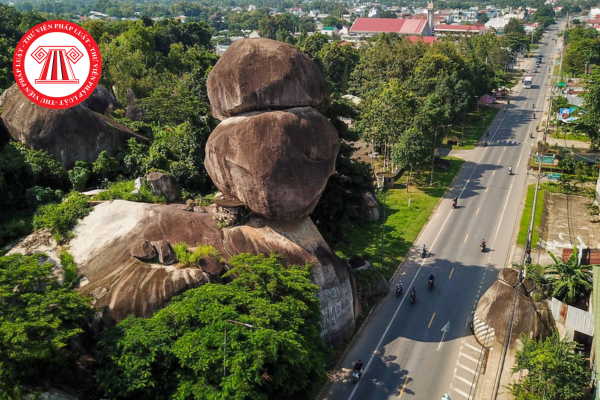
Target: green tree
x,y
483,18
412,152
514,26
179,352
343,204
385,116
386,14
337,63
38,319
270,25
569,280
555,369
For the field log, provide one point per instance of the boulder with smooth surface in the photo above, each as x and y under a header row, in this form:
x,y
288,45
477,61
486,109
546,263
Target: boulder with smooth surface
x,y
68,135
276,162
162,185
263,74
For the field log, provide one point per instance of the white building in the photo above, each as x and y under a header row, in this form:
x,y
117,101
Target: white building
x,y
594,12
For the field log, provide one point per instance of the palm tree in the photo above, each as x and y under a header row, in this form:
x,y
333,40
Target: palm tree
x,y
569,279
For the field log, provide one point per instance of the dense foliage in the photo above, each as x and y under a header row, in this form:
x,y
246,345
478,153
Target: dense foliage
x,y
38,319
555,369
179,352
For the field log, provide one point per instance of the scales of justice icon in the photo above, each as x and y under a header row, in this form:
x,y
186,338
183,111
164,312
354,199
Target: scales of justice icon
x,y
58,61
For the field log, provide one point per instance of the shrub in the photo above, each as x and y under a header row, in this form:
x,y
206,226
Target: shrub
x,y
205,251
105,166
122,190
37,196
182,254
59,218
70,268
79,175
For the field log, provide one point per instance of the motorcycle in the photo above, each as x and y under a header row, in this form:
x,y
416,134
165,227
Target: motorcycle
x,y
398,291
430,284
413,297
482,247
423,253
533,115
453,204
356,375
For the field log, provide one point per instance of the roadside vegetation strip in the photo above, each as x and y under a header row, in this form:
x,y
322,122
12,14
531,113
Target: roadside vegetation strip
x,y
403,223
570,136
475,128
526,217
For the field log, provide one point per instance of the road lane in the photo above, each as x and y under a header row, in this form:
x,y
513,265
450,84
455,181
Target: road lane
x,y
400,346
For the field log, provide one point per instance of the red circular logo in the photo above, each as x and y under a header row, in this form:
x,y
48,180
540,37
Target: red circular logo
x,y
57,64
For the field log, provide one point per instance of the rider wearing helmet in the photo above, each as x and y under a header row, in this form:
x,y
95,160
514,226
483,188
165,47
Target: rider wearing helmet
x,y
431,277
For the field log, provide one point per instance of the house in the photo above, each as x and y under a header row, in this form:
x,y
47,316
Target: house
x,y
410,27
329,30
254,34
594,13
459,30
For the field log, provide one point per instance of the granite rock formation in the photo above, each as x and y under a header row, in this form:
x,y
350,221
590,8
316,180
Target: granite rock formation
x,y
276,162
262,74
274,153
68,135
101,101
134,111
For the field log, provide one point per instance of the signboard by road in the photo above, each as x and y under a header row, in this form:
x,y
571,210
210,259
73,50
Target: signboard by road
x,y
545,159
553,175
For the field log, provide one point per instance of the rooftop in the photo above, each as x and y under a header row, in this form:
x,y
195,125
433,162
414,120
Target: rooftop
x,y
389,25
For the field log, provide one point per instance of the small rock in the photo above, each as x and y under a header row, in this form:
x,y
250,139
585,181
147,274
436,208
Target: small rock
x,y
199,209
143,250
162,185
93,192
211,266
189,205
166,256
139,182
135,191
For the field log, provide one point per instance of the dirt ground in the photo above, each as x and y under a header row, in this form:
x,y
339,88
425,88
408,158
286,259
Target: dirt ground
x,y
566,223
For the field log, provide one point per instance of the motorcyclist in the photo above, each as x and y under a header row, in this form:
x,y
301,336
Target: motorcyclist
x,y
532,105
413,293
446,397
454,202
508,101
431,277
399,286
483,243
358,367
510,170
487,133
533,115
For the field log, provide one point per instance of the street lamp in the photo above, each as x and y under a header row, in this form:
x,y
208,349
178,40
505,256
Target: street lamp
x,y
434,144
225,340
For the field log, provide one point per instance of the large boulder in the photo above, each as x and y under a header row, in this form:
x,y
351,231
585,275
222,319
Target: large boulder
x,y
494,311
163,185
69,135
101,101
121,284
276,162
261,74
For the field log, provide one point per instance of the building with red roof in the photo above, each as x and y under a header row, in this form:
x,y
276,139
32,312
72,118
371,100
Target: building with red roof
x,y
402,26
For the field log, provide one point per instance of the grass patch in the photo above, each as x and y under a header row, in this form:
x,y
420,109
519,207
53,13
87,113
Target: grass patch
x,y
187,258
402,223
476,124
570,136
122,190
60,218
526,217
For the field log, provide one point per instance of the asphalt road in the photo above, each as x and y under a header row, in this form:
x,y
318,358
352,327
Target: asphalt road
x,y
422,350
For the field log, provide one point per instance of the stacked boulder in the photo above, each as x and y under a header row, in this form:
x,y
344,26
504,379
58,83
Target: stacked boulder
x,y
274,152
